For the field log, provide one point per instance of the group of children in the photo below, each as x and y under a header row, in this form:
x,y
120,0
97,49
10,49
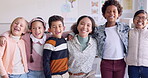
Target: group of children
x,y
48,55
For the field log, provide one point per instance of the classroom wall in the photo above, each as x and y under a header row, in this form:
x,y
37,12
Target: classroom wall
x,y
29,9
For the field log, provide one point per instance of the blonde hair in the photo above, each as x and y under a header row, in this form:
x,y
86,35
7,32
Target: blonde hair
x,y
26,26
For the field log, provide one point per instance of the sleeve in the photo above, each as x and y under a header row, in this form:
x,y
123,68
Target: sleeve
x,y
2,68
95,32
48,35
65,34
6,34
47,52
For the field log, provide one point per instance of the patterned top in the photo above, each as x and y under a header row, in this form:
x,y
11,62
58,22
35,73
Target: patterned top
x,y
81,61
55,57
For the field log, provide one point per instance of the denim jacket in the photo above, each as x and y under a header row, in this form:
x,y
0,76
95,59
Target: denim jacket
x,y
100,36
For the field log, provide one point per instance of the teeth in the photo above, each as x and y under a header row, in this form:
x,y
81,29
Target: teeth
x,y
112,17
16,29
83,31
140,23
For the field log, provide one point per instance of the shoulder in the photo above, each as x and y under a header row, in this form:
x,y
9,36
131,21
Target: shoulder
x,y
55,41
122,24
51,40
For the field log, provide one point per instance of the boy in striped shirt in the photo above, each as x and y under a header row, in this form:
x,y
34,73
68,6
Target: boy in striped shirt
x,y
55,53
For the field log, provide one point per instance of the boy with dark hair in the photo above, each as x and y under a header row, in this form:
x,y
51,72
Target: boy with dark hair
x,y
55,54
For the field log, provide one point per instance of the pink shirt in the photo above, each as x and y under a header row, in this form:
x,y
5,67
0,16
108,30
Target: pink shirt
x,y
38,61
7,55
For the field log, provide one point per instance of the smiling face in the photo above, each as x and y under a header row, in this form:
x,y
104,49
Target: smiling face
x,y
140,20
18,27
111,14
37,29
84,27
57,29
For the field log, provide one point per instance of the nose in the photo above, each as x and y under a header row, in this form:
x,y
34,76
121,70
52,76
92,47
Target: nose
x,y
18,25
111,13
57,28
85,26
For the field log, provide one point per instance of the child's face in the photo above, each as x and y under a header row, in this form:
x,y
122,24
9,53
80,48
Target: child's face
x,y
18,27
84,27
140,21
37,29
111,13
57,29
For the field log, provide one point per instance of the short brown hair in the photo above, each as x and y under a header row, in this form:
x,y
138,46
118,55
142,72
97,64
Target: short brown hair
x,y
55,18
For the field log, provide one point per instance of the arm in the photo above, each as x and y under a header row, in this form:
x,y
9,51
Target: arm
x,y
65,34
3,38
46,60
3,72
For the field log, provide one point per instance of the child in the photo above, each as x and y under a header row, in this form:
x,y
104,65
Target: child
x,y
82,49
137,59
55,54
13,61
112,38
34,47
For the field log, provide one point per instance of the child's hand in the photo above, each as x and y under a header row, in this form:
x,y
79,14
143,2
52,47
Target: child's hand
x,y
2,40
5,76
70,37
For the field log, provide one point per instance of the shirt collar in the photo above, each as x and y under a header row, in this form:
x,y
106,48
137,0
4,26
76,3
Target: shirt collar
x,y
36,40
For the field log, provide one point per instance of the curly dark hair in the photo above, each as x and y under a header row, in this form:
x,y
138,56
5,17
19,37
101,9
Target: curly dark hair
x,y
55,18
112,2
75,25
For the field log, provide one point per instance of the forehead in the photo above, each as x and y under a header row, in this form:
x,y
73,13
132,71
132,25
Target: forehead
x,y
86,19
20,21
56,23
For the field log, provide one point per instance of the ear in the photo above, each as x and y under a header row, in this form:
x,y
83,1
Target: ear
x,y
118,16
103,16
64,27
49,30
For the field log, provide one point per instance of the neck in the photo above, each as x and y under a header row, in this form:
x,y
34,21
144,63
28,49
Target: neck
x,y
110,24
83,40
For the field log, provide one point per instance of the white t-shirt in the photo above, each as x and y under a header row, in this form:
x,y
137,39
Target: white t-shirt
x,y
113,45
18,65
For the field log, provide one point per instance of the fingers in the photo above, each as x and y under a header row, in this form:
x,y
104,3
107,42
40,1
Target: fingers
x,y
70,37
2,41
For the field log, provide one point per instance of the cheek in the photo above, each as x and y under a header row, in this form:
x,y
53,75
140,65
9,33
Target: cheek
x,y
90,29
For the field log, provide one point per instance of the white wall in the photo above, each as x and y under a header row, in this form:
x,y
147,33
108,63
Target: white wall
x,y
10,9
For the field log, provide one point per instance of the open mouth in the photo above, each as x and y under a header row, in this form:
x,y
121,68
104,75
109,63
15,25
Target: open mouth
x,y
139,23
16,29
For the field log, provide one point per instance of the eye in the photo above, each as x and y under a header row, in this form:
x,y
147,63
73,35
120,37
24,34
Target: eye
x,y
21,25
39,27
33,28
88,25
16,23
53,26
82,23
